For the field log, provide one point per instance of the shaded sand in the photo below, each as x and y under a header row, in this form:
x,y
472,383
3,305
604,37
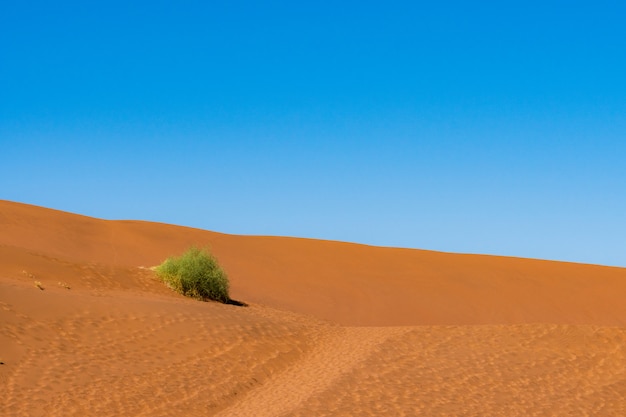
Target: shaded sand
x,y
438,334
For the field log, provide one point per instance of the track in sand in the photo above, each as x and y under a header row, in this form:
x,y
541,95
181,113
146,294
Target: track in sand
x,y
339,351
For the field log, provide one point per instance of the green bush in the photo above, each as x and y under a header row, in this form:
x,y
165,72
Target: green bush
x,y
195,274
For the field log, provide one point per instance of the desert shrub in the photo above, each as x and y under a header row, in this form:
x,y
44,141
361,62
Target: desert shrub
x,y
195,274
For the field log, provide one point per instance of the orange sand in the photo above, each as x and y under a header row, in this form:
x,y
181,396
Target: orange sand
x,y
332,328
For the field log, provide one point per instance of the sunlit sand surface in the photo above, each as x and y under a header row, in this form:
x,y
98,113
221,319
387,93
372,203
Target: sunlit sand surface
x,y
332,329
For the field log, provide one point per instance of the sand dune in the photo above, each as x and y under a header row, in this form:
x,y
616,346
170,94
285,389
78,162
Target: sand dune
x,y
342,282
332,328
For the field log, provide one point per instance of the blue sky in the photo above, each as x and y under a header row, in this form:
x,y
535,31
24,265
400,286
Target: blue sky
x,y
495,128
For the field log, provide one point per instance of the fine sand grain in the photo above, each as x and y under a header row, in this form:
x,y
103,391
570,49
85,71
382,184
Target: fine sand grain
x,y
333,329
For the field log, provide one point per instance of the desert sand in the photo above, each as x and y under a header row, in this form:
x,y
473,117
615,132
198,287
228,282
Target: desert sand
x,y
331,328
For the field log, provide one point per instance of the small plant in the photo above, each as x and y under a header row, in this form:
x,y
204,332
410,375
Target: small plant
x,y
39,285
195,274
64,285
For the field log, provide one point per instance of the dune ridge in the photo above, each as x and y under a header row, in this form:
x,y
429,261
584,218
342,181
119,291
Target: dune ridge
x,y
333,328
347,283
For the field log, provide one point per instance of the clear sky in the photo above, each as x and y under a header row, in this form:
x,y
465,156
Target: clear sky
x,y
475,127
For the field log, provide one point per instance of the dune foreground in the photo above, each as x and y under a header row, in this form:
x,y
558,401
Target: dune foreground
x,y
332,328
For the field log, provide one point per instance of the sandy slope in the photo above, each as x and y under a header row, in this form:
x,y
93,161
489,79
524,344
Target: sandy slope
x,y
440,334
